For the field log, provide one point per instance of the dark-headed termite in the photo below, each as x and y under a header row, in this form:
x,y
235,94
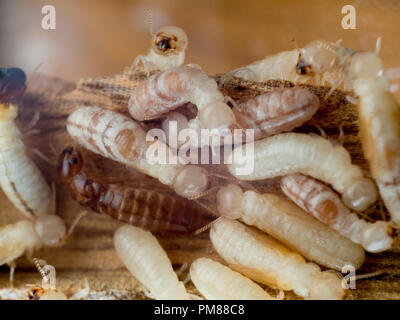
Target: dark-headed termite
x,y
159,212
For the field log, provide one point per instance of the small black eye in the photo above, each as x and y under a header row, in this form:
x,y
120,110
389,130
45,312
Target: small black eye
x,y
164,45
73,160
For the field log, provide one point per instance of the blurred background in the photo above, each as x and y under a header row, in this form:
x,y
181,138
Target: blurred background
x,y
100,37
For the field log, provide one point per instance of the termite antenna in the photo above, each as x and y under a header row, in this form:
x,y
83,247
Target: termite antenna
x,y
207,226
378,45
368,275
38,263
75,222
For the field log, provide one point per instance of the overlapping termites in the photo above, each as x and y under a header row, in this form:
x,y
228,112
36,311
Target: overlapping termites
x,y
324,190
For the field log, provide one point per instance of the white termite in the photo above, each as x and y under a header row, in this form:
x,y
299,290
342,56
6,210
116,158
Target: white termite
x,y
168,46
265,260
311,155
325,205
218,282
291,225
20,179
144,257
122,139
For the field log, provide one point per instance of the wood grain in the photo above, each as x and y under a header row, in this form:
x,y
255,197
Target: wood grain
x,y
89,253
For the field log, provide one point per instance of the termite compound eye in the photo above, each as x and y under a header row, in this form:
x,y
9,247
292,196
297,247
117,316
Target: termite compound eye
x,y
164,44
303,68
73,160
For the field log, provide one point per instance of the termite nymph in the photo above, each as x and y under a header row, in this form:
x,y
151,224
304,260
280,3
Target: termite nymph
x,y
153,210
288,223
288,153
325,205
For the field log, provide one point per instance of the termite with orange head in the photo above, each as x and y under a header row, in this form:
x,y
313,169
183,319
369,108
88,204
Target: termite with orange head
x,y
265,260
122,139
144,257
167,50
291,225
218,282
311,155
165,91
153,210
325,205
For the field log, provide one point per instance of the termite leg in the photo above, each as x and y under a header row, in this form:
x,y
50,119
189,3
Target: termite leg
x,y
42,156
32,123
342,137
75,222
12,266
228,100
321,131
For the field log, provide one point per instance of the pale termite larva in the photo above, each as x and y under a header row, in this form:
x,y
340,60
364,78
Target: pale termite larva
x,y
288,223
311,155
168,46
122,139
20,178
275,66
218,282
379,116
265,260
325,205
278,111
142,254
165,91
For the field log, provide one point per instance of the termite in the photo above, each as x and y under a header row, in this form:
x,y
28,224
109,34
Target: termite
x,y
218,282
20,178
144,257
122,139
288,223
167,90
26,236
48,290
275,66
168,46
325,205
278,111
312,155
152,210
265,260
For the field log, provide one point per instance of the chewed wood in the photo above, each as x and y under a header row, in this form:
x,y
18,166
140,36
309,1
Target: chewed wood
x,y
90,254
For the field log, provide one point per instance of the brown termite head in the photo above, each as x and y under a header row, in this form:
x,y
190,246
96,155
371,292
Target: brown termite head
x,y
316,57
46,294
169,40
70,163
36,293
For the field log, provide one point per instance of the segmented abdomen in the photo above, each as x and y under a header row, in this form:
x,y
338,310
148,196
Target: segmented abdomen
x,y
20,178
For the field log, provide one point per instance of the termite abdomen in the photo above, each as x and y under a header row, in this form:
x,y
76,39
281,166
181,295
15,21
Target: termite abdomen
x,y
159,212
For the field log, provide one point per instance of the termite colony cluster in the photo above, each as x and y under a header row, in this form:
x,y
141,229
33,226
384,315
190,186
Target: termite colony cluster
x,y
280,239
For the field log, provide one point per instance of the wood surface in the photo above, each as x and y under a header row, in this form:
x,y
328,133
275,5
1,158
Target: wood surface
x,y
89,253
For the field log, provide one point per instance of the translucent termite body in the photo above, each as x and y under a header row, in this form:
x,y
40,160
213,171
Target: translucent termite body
x,y
166,91
291,225
288,153
265,260
278,111
325,205
142,254
156,211
168,46
25,236
117,137
20,178
379,116
218,282
275,66
122,139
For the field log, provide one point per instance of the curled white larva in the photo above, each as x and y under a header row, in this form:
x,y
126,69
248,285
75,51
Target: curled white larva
x,y
298,230
16,239
218,282
20,178
119,138
142,254
289,153
265,260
